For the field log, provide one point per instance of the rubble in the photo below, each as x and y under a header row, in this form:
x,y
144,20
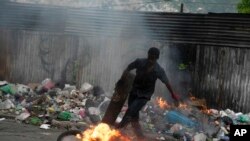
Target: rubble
x,y
47,106
2,119
45,126
23,116
7,88
86,87
7,104
70,125
200,137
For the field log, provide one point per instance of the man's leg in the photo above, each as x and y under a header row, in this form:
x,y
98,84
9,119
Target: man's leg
x,y
126,118
133,111
136,124
137,127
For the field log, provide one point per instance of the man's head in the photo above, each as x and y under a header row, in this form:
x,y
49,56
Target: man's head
x,y
153,55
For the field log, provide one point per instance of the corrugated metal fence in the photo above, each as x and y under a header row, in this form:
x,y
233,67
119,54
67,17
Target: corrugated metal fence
x,y
222,77
78,45
31,56
230,30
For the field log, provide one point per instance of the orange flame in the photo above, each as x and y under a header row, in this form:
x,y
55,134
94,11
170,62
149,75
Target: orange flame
x,y
102,132
208,111
162,103
192,98
205,110
182,106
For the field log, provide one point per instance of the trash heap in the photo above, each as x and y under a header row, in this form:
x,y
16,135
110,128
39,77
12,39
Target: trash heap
x,y
190,121
48,104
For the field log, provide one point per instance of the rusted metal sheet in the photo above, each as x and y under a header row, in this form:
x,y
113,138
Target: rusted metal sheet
x,y
74,46
231,30
222,77
221,74
5,54
32,56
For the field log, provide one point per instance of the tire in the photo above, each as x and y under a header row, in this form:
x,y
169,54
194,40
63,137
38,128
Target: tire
x,y
68,133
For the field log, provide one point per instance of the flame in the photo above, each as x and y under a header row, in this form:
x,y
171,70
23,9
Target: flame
x,y
162,103
208,111
182,106
102,132
192,98
205,110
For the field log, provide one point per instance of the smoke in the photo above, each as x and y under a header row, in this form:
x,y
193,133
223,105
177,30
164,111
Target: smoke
x,y
93,56
128,5
170,59
194,6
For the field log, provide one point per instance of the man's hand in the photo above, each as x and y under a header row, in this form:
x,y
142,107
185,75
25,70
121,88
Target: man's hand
x,y
175,96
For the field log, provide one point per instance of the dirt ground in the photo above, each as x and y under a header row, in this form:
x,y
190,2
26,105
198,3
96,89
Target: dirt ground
x,y
10,130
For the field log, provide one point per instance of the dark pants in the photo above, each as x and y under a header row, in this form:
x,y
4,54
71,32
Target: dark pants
x,y
135,104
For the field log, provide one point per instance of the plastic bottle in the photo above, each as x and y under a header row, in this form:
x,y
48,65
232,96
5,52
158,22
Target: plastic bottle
x,y
177,117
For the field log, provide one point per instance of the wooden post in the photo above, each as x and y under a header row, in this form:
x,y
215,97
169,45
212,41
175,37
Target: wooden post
x,y
181,10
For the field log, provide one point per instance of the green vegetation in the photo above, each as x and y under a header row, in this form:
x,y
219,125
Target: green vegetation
x,y
244,6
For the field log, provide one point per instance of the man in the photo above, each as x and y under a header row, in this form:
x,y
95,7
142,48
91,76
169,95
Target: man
x,y
147,72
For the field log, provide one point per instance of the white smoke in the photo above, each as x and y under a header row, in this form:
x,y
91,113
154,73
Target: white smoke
x,y
190,6
128,5
109,56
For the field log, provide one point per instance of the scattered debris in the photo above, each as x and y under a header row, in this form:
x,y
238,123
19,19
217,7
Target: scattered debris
x,y
45,126
48,106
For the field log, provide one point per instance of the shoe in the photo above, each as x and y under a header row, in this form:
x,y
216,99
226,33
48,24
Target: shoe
x,y
125,121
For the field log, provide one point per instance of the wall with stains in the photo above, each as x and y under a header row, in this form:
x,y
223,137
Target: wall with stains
x,y
76,45
32,56
222,76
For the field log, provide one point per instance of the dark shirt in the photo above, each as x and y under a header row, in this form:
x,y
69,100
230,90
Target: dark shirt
x,y
144,83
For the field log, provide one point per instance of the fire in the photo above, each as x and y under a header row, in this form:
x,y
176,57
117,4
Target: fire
x,y
102,132
205,110
162,103
182,106
192,98
201,104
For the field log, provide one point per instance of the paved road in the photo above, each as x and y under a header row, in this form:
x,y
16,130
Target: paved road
x,y
10,130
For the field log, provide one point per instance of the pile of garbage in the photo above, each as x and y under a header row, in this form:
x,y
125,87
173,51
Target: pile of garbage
x,y
191,121
48,104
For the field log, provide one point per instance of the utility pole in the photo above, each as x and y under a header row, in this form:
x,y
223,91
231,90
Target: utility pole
x,y
181,10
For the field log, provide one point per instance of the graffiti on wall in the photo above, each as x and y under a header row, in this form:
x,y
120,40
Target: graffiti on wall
x,y
45,56
62,58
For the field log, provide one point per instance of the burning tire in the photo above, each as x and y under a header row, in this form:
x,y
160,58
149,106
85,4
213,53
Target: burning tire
x,y
69,135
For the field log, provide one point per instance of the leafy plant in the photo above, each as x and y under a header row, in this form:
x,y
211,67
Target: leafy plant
x,y
244,6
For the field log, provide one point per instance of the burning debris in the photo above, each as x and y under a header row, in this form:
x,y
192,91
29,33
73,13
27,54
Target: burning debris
x,y
48,106
162,103
102,132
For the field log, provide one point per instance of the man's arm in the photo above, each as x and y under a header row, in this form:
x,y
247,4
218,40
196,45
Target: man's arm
x,y
164,79
125,73
174,96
